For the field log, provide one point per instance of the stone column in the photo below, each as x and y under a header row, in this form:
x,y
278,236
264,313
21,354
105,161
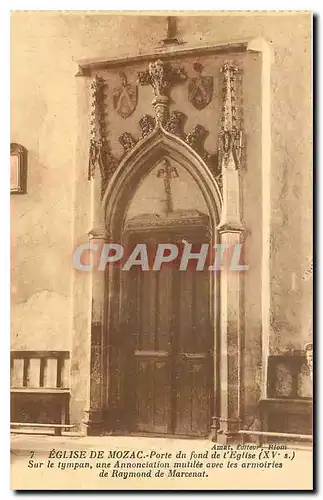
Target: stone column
x,y
99,166
81,302
227,424
98,355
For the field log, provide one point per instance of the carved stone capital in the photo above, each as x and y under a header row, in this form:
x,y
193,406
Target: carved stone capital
x,y
99,233
230,227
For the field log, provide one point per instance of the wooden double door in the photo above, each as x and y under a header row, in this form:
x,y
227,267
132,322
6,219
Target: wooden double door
x,y
169,362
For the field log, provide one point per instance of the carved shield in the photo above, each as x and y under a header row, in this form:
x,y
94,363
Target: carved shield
x,y
200,91
125,99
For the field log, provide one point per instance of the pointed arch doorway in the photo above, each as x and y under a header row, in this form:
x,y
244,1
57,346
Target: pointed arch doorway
x,y
169,378
162,324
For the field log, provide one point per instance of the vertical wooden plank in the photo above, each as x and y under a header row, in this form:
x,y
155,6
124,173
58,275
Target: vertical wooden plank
x,y
17,373
156,310
42,372
184,398
60,363
51,373
164,308
200,399
153,395
145,395
26,372
34,372
65,374
162,409
186,311
148,305
202,337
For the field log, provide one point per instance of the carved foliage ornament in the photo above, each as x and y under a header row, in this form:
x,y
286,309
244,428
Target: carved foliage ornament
x,y
175,124
96,125
127,142
161,76
100,155
196,139
147,124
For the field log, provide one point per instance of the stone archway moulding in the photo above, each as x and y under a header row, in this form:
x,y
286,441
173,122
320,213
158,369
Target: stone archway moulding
x,y
136,164
228,228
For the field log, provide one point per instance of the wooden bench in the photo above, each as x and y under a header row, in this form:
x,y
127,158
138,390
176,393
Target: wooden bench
x,y
40,391
58,428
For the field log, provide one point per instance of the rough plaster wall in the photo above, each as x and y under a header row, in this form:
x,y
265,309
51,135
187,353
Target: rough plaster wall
x,y
291,181
45,47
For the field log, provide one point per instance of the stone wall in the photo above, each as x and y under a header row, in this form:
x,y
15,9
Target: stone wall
x,y
44,119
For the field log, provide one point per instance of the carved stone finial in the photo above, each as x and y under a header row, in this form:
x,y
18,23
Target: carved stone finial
x,y
161,76
147,125
231,136
127,142
175,123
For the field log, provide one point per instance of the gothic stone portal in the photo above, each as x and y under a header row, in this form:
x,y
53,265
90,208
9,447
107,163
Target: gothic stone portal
x,y
162,376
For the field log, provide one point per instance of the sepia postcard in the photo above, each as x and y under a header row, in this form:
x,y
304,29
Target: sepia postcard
x,y
161,250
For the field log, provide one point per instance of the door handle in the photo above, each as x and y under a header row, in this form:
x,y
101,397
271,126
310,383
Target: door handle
x,y
184,356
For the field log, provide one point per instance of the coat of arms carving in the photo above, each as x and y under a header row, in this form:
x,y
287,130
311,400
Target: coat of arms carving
x,y
125,97
200,89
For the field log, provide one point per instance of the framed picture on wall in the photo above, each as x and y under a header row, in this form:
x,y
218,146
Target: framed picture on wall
x,y
18,169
